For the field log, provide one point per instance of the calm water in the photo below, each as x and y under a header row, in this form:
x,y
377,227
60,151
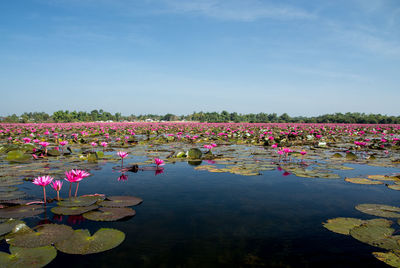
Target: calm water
x,y
195,218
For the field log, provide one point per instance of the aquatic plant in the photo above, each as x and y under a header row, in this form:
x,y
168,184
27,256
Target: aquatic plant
x,y
43,181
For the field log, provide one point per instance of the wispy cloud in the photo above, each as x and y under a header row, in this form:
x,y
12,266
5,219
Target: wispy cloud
x,y
249,10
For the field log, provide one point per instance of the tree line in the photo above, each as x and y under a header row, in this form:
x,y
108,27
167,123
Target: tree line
x,y
224,116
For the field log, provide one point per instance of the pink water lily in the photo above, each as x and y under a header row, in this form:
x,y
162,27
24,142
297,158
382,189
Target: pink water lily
x,y
56,185
122,155
43,181
159,162
75,176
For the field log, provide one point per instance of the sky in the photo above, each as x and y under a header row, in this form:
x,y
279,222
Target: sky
x,y
303,57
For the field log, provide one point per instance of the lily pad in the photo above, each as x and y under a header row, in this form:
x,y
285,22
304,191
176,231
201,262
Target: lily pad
x,y
121,201
378,235
82,243
22,211
60,210
394,187
27,257
342,225
390,258
53,152
8,226
9,181
45,235
362,181
194,153
109,214
81,201
18,156
12,195
381,177
7,189
379,210
351,156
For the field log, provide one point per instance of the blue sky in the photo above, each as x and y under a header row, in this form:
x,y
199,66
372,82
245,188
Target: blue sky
x,y
303,57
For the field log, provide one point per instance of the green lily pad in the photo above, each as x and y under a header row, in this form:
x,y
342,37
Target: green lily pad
x,y
72,210
379,210
22,211
394,187
109,214
9,181
7,189
351,156
194,153
121,201
81,201
18,156
45,235
27,257
82,243
12,195
381,177
8,226
337,155
53,152
362,181
378,235
390,258
342,225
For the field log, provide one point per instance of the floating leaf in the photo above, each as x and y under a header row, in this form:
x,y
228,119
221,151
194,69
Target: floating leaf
x,y
376,234
82,243
45,235
109,214
81,201
18,155
53,152
21,211
394,187
194,153
12,195
121,201
72,210
362,181
7,189
379,210
381,177
27,257
342,225
8,226
351,156
9,181
390,258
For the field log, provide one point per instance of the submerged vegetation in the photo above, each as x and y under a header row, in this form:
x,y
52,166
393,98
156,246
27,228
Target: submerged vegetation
x,y
49,153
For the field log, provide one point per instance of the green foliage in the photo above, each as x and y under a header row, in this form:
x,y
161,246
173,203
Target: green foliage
x,y
224,116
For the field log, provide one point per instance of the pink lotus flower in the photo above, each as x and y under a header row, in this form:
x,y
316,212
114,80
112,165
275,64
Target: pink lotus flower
x,y
94,144
122,155
75,176
44,144
159,162
274,145
56,185
43,181
63,143
209,147
104,144
213,145
303,152
26,140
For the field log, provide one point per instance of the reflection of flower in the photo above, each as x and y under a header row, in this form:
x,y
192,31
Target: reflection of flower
x,y
75,219
286,173
58,218
211,161
159,170
123,177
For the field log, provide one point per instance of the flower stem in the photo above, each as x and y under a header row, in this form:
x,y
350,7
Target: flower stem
x,y
70,185
44,195
76,191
